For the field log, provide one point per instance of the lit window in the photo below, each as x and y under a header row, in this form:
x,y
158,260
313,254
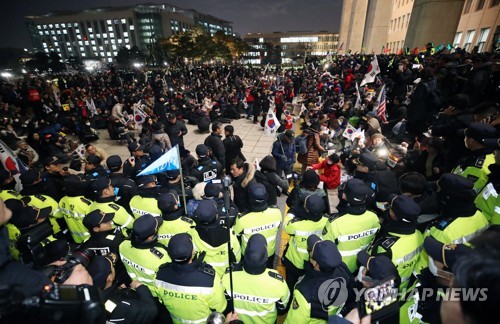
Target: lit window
x,y
116,21
109,22
50,25
54,38
79,36
124,21
92,42
115,53
75,24
82,49
56,44
110,54
101,48
39,27
46,50
70,49
127,46
113,47
80,43
110,59
92,36
63,25
120,41
125,34
77,31
41,33
111,35
44,26
110,28
90,29
46,32
131,27
57,25
94,48
83,54
44,44
127,40
104,35
102,53
58,32
86,42
65,31
68,44
52,32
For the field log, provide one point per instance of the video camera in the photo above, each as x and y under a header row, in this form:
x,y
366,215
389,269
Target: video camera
x,y
31,251
54,304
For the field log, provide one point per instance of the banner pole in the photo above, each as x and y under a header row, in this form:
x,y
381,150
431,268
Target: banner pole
x,y
182,180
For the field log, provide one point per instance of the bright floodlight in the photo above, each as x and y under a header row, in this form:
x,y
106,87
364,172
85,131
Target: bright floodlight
x,y
137,65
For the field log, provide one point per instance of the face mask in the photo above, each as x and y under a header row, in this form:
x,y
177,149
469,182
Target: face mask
x,y
432,267
115,191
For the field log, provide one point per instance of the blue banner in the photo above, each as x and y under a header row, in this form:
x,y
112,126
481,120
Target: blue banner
x,y
169,161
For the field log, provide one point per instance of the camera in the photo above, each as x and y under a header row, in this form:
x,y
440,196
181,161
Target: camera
x,y
54,304
294,176
59,274
31,251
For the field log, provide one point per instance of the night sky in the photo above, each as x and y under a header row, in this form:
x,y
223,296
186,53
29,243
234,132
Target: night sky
x,y
246,15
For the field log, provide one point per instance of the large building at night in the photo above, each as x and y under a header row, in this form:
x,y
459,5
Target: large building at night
x,y
99,33
374,25
286,47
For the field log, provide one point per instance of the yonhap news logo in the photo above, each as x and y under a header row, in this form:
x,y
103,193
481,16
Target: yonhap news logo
x,y
333,292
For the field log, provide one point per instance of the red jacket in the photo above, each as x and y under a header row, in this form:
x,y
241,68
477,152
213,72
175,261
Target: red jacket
x,y
331,174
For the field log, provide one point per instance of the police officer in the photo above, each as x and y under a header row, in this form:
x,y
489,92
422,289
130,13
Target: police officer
x,y
105,240
142,255
308,219
379,268
53,177
259,293
308,304
146,201
460,221
261,219
126,186
188,287
105,202
399,239
208,168
74,206
211,237
33,193
123,305
474,166
488,199
354,227
94,169
173,220
8,186
137,162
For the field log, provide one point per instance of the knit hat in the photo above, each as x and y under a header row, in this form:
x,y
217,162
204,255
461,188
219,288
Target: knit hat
x,y
255,258
310,179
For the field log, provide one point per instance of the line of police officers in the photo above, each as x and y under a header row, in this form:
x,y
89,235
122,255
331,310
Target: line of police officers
x,y
140,227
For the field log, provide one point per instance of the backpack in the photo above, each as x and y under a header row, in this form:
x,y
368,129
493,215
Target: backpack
x,y
301,144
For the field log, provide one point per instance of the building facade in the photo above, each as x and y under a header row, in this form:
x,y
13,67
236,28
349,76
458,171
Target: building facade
x,y
100,33
479,26
287,47
391,25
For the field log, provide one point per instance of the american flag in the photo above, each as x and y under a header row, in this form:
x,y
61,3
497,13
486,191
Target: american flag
x,y
381,105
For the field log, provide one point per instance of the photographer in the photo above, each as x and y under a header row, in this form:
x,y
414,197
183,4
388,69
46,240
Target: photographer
x,y
124,305
25,281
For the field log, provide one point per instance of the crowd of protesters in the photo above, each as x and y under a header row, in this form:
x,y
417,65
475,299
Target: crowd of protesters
x,y
410,195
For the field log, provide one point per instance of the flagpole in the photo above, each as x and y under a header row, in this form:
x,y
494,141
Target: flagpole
x,y
182,180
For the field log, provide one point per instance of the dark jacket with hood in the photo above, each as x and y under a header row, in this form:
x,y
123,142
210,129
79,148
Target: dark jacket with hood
x,y
240,187
269,178
214,142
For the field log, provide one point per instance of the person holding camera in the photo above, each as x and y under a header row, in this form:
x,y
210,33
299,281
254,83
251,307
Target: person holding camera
x,y
124,305
137,162
146,200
